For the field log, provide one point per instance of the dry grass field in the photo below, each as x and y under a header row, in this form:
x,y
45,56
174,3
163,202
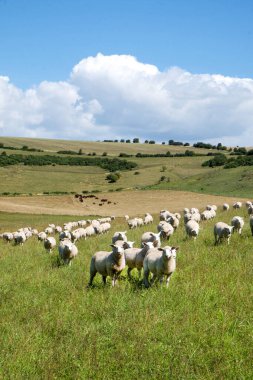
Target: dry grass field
x,y
133,203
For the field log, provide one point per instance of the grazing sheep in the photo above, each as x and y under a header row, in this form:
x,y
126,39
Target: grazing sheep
x,y
161,262
250,210
248,204
237,222
49,230
49,243
90,230
165,229
19,238
225,207
67,251
107,264
58,229
192,229
222,230
148,218
237,205
65,235
42,236
132,223
119,235
135,257
173,220
164,214
152,237
8,236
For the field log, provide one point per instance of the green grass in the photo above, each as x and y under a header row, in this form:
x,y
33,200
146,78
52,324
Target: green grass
x,y
52,327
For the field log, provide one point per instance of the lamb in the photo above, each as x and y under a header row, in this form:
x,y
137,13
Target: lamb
x,y
119,235
166,229
161,262
225,207
151,236
107,264
237,222
49,243
135,257
67,251
148,218
222,230
192,229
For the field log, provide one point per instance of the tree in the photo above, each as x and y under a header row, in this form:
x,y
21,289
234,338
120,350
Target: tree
x,y
136,140
128,141
80,152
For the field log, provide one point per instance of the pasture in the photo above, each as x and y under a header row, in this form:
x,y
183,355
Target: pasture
x,y
198,328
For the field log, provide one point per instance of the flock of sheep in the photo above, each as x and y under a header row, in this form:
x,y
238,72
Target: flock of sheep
x,y
150,257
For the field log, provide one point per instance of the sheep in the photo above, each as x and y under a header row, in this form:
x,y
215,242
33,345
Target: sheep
x,y
67,251
206,215
225,207
222,230
8,236
49,230
166,229
161,262
65,235
132,223
248,204
126,217
164,214
148,218
124,244
107,264
192,229
151,236
119,235
173,220
42,236
251,224
49,243
19,238
90,230
135,256
237,222
192,216
177,215
250,209
58,229
105,227
237,205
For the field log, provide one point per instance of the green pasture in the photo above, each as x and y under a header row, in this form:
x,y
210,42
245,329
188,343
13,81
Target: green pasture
x,y
52,327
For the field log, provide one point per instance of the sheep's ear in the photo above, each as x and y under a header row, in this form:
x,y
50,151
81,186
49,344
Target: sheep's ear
x,y
176,248
112,245
160,249
152,234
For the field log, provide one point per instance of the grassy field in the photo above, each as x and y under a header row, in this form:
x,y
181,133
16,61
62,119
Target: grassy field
x,y
52,327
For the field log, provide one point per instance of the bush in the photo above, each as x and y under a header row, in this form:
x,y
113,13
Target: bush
x,y
113,177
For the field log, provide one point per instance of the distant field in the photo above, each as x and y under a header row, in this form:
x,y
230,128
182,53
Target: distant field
x,y
113,149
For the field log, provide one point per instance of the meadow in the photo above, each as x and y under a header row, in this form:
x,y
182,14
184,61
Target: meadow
x,y
198,328
52,327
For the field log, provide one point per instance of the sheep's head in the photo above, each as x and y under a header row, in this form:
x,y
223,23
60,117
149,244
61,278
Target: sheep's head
x,y
117,250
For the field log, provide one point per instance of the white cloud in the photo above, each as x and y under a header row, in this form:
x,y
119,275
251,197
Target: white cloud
x,y
117,96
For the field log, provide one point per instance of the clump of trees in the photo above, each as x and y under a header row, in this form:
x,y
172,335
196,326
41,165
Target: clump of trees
x,y
113,177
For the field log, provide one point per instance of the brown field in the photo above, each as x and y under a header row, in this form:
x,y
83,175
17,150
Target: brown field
x,y
125,202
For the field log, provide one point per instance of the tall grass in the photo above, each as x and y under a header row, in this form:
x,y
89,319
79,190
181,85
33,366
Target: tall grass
x,y
52,327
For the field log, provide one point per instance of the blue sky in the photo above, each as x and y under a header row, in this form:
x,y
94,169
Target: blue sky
x,y
44,39
167,69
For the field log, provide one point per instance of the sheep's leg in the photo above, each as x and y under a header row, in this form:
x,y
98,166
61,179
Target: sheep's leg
x,y
153,279
145,279
168,280
129,272
139,273
104,279
92,275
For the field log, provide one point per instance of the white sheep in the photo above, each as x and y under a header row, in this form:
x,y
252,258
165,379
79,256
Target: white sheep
x,y
152,237
237,222
135,257
165,229
67,251
42,236
49,243
19,238
132,223
66,234
222,230
161,262
107,264
237,205
148,218
8,236
49,230
173,220
192,229
119,235
225,207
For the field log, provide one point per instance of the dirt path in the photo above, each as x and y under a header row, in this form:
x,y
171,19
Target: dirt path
x,y
126,202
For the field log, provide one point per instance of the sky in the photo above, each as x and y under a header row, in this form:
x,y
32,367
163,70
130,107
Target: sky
x,y
108,69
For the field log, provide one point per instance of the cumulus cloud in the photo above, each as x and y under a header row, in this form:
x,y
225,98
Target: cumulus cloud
x,y
107,97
